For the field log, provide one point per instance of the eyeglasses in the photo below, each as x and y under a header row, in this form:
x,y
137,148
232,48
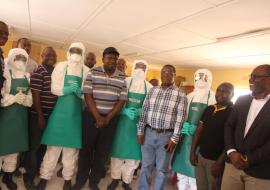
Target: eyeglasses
x,y
253,77
2,33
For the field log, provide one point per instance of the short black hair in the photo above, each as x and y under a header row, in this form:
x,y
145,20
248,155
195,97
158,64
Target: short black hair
x,y
48,47
171,66
229,85
110,50
21,39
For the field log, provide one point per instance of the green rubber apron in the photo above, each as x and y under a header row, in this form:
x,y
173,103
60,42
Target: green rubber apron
x,y
64,127
181,162
14,122
125,144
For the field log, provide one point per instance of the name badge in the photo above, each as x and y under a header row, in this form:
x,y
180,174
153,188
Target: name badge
x,y
194,109
22,89
134,100
70,81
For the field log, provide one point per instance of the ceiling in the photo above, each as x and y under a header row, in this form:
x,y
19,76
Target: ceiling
x,y
185,33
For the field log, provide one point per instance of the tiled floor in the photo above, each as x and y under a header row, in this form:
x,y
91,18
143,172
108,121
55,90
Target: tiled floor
x,y
57,184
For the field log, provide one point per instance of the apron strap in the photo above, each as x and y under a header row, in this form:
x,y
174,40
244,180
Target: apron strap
x,y
81,74
208,97
13,78
145,88
130,84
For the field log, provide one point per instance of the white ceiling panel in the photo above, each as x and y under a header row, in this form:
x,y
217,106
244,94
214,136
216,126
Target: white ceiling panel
x,y
65,13
102,34
139,16
48,42
170,37
218,2
16,32
53,32
220,51
234,18
130,50
15,13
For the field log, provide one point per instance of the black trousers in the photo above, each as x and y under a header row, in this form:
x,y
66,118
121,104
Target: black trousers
x,y
95,151
34,156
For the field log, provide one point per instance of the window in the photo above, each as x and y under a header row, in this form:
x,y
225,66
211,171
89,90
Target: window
x,y
239,92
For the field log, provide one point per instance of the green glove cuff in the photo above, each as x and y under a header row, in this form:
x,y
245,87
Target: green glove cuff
x,y
192,129
67,90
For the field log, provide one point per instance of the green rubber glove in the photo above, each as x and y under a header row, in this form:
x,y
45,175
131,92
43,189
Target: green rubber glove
x,y
192,129
70,89
129,112
79,92
185,128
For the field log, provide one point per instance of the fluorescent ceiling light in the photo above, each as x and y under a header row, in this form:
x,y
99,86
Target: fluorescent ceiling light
x,y
247,34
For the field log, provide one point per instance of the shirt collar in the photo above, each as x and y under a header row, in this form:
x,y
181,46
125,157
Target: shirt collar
x,y
170,87
267,97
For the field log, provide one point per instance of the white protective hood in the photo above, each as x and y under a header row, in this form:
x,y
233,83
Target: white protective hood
x,y
202,88
17,70
76,45
138,77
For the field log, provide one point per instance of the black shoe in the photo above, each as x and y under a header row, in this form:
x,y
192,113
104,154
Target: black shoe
x,y
28,183
93,186
113,184
59,173
42,184
7,179
126,186
67,185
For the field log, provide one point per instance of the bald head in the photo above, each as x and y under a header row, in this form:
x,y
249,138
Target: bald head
x,y
265,68
259,81
90,60
48,56
121,65
154,82
25,44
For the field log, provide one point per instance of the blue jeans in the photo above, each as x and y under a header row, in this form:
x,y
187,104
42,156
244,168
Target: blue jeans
x,y
154,153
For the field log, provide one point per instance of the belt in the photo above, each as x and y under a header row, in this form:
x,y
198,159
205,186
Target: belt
x,y
159,130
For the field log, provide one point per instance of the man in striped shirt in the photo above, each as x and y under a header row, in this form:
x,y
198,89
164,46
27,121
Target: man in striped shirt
x,y
164,111
105,94
43,103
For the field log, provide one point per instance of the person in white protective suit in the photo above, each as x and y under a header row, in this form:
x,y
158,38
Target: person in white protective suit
x,y
126,151
63,133
198,100
14,113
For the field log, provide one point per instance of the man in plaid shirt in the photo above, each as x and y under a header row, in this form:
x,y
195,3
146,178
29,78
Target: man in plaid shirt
x,y
164,111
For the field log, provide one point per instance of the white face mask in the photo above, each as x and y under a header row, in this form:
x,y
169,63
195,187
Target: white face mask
x,y
19,65
138,74
200,83
76,58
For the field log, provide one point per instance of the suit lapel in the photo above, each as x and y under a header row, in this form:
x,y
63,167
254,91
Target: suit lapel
x,y
245,110
264,111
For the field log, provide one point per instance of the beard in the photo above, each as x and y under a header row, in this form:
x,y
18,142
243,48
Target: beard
x,y
110,67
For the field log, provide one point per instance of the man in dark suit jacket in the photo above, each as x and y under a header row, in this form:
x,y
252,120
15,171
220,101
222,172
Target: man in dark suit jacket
x,y
247,137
